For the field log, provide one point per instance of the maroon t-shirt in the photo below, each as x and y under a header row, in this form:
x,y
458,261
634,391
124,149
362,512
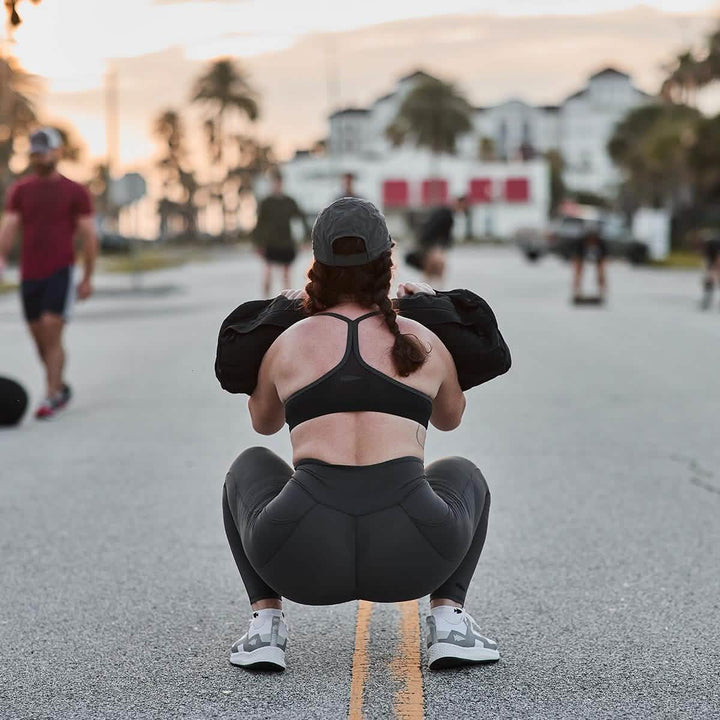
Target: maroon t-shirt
x,y
49,209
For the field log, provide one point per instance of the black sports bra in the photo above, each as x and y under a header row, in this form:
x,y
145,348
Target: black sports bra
x,y
354,386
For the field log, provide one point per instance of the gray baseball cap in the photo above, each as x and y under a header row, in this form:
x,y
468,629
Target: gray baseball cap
x,y
45,140
350,217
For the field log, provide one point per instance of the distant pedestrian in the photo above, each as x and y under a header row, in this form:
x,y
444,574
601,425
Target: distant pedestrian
x,y
711,251
273,232
48,210
435,238
348,186
590,247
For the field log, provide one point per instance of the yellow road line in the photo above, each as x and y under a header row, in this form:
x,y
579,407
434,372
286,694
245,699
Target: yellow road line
x,y
361,662
408,704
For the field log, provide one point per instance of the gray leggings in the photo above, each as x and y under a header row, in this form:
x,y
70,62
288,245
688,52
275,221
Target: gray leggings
x,y
327,534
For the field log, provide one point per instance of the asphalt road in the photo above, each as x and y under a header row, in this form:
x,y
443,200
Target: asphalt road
x,y
601,574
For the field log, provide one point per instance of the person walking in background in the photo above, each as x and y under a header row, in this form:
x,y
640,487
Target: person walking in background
x,y
273,232
435,239
589,246
711,251
348,186
48,210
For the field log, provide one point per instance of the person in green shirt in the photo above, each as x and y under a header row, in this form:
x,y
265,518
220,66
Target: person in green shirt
x,y
273,234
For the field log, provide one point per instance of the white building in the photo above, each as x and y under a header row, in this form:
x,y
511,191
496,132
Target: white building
x,y
586,123
508,192
504,196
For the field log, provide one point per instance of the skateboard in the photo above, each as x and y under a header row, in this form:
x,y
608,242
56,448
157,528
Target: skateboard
x,y
588,300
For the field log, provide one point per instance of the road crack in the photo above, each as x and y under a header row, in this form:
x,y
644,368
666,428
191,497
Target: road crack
x,y
700,476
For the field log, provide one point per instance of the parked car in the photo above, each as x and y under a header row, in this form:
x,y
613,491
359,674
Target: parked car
x,y
114,243
563,232
533,242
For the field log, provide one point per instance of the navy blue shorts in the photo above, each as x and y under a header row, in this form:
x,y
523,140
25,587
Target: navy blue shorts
x,y
280,255
53,294
712,251
587,249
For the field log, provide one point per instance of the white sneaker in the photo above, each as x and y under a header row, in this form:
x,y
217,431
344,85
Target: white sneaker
x,y
262,647
454,639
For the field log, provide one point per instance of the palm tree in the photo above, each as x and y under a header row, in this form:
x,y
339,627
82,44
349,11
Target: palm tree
x,y
685,77
691,72
226,92
705,160
252,159
188,206
18,90
179,185
169,128
653,145
433,115
712,57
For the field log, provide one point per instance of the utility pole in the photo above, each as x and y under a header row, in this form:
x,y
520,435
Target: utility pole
x,y
112,142
112,130
332,83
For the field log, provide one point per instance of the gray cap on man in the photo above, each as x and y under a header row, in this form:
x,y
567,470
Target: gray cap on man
x,y
45,140
350,217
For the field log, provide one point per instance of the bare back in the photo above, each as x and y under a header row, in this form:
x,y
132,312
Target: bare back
x,y
313,347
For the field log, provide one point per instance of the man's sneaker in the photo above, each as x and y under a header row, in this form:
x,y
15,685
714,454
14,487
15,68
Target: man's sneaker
x,y
454,639
50,406
263,645
63,397
45,410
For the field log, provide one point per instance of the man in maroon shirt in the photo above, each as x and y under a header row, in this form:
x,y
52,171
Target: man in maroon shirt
x,y
49,209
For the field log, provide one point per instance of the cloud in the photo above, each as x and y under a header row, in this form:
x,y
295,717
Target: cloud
x,y
182,2
490,58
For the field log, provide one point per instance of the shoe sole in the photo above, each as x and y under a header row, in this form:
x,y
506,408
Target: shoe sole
x,y
265,658
444,655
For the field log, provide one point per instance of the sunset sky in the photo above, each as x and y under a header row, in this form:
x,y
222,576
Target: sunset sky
x,y
535,49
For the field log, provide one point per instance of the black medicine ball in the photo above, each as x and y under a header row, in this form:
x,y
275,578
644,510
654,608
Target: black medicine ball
x,y
13,402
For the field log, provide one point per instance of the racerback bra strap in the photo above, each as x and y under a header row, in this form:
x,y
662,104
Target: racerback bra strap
x,y
353,342
335,315
348,320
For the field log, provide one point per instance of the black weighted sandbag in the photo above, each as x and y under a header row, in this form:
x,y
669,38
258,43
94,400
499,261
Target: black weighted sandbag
x,y
13,402
460,318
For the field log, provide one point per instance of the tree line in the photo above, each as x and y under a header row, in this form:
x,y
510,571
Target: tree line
x,y
19,92
234,157
668,150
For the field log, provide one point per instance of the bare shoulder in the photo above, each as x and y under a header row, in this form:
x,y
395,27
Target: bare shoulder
x,y
424,334
302,328
303,333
